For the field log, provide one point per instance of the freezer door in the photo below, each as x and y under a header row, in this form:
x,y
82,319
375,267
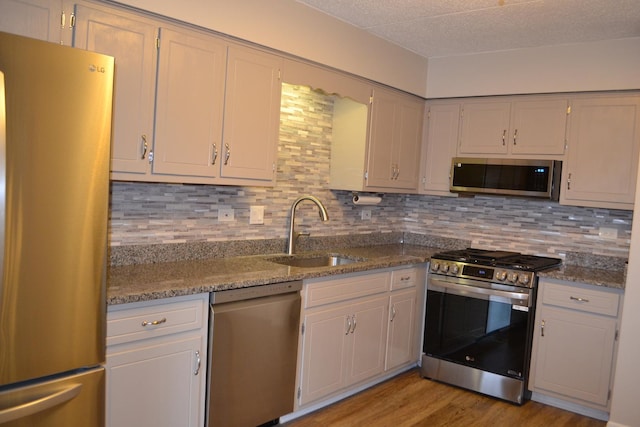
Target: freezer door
x,y
52,283
72,401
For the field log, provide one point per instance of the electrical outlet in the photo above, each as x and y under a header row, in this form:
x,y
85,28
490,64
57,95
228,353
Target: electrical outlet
x,y
226,215
365,215
256,215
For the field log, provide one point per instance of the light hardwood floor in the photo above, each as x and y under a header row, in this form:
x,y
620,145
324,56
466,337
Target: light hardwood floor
x,y
409,400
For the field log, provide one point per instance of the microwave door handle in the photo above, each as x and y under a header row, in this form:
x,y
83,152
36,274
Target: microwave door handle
x,y
517,298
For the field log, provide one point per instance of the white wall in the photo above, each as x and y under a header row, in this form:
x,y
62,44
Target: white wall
x,y
606,65
288,26
625,410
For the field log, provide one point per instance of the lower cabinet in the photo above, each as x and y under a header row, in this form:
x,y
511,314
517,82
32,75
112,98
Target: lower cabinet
x,y
357,328
574,344
156,363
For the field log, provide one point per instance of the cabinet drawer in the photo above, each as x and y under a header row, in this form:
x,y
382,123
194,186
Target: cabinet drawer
x,y
578,298
404,278
124,325
342,289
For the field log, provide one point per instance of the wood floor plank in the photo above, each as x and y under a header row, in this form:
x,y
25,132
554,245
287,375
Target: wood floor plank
x,y
409,400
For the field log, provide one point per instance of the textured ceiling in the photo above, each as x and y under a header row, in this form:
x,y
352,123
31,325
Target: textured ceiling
x,y
433,28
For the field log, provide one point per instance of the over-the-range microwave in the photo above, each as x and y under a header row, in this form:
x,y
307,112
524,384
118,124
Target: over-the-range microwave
x,y
516,177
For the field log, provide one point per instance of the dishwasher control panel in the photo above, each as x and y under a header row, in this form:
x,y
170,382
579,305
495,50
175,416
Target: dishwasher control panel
x,y
251,292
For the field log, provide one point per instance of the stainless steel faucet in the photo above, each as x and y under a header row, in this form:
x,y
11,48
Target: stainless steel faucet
x,y
293,236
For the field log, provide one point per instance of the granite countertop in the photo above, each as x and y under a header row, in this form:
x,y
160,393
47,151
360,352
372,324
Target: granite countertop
x,y
592,276
164,279
142,282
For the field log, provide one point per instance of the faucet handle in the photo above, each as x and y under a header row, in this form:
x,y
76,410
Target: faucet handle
x,y
302,233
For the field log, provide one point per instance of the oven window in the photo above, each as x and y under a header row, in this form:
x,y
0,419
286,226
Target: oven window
x,y
484,334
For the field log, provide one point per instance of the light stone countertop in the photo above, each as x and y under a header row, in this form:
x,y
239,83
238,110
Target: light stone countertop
x,y
148,281
142,282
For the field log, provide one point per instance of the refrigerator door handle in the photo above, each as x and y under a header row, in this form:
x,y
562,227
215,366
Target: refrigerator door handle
x,y
3,175
38,405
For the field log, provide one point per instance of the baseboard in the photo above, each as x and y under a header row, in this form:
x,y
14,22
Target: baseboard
x,y
570,406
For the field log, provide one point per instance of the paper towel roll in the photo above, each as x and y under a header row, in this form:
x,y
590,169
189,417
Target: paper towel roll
x,y
366,200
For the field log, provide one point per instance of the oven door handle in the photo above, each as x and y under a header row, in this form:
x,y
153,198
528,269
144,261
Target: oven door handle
x,y
518,298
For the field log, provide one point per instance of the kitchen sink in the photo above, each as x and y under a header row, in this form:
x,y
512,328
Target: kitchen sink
x,y
311,261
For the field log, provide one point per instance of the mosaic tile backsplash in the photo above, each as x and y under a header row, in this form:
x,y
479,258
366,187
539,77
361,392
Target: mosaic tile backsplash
x,y
151,213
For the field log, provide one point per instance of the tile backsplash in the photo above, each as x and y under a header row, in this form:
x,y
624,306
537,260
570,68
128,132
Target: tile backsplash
x,y
152,213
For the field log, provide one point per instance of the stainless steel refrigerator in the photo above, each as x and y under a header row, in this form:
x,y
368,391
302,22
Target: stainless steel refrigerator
x,y
55,127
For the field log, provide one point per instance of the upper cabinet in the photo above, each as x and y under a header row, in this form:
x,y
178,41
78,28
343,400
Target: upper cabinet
x,y
251,116
520,126
132,40
49,20
440,141
604,143
215,104
394,141
383,156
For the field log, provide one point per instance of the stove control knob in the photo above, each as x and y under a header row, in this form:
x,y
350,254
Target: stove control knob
x,y
524,279
444,268
501,275
454,268
435,266
512,277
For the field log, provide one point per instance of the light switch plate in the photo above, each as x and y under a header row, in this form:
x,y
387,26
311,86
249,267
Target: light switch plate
x,y
226,214
256,215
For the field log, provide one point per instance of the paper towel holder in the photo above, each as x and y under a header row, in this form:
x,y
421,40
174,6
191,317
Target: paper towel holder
x,y
358,199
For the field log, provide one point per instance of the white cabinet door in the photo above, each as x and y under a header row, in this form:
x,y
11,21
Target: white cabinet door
x,y
401,333
324,350
538,126
441,139
155,385
189,103
39,19
485,128
368,340
132,41
574,355
604,144
251,116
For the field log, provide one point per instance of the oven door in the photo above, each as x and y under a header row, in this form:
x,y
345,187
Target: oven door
x,y
477,324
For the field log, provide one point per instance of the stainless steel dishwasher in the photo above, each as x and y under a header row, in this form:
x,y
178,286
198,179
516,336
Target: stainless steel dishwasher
x,y
253,335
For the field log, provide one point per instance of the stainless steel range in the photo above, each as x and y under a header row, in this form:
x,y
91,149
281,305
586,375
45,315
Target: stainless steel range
x,y
479,320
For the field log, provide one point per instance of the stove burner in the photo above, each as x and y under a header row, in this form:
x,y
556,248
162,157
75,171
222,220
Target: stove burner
x,y
504,259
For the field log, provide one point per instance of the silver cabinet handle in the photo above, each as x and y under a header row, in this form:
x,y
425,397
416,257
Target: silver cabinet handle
x,y
353,329
542,328
504,137
405,278
39,404
569,182
198,362
515,136
154,322
227,155
145,146
578,299
214,154
393,313
348,325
